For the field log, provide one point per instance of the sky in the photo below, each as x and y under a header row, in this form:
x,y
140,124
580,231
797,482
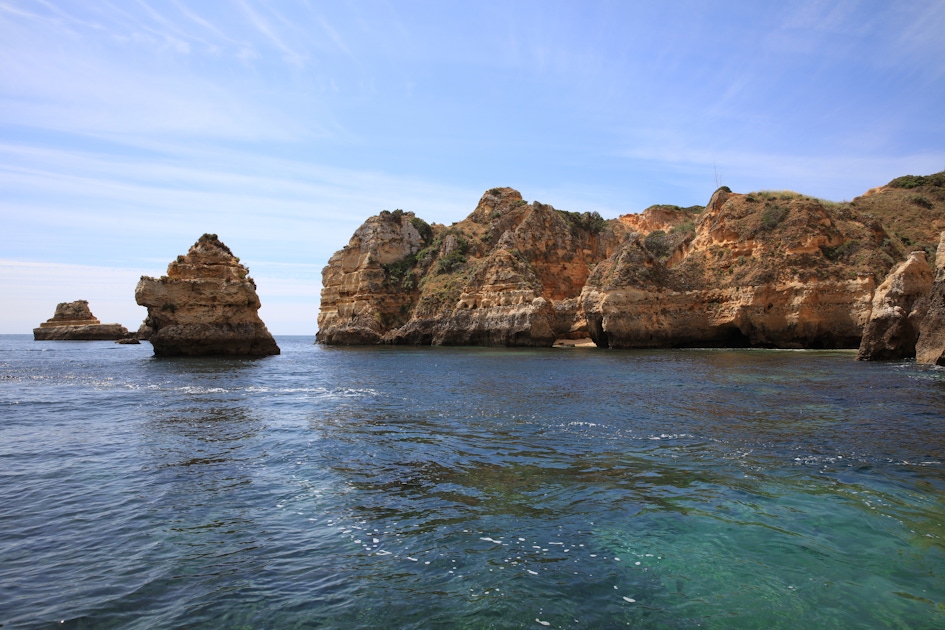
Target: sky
x,y
128,129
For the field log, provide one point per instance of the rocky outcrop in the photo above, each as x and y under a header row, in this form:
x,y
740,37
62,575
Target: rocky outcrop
x,y
73,321
898,308
508,275
205,305
930,346
768,269
764,269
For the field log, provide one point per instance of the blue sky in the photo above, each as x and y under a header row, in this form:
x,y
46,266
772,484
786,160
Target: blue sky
x,y
128,129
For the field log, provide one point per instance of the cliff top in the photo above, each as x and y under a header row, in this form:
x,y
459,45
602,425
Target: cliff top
x,y
209,257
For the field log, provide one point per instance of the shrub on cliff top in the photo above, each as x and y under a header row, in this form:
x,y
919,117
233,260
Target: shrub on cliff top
x,y
422,227
211,239
914,181
773,215
588,221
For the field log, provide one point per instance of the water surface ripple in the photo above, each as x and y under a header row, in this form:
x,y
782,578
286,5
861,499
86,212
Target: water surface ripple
x,y
468,488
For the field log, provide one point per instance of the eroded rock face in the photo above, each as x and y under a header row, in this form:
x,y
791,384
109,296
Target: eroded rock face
x,y
205,305
897,310
508,275
930,346
73,321
768,269
368,284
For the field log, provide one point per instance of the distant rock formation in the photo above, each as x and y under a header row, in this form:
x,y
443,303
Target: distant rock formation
x,y
73,321
898,308
765,269
205,305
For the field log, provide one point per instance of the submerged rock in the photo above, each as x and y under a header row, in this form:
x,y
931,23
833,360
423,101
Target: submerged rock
x,y
205,305
898,308
73,321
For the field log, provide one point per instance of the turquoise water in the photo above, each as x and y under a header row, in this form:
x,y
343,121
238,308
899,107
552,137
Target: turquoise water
x,y
468,488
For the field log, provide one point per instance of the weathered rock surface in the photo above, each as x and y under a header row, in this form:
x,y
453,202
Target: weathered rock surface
x,y
930,346
508,275
769,269
73,321
205,305
765,269
898,308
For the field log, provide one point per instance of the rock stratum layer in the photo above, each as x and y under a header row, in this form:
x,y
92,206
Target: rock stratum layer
x,y
205,305
73,321
766,269
930,345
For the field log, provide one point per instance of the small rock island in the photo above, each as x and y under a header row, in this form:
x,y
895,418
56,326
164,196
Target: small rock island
x,y
73,321
206,305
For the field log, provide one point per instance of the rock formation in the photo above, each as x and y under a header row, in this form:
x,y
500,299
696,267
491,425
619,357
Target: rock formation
x,y
898,308
930,346
73,321
768,269
764,269
509,275
205,305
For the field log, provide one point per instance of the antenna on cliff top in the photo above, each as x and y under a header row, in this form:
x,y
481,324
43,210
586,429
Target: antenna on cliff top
x,y
718,179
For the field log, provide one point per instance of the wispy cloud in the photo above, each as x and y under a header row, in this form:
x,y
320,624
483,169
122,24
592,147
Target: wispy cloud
x,y
266,28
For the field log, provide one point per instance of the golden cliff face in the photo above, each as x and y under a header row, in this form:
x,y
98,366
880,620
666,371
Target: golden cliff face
x,y
769,269
764,269
930,345
205,305
509,274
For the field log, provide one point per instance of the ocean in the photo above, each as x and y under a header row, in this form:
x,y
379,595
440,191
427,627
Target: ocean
x,y
395,487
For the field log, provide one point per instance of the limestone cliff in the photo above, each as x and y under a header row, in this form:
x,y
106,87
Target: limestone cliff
x,y
73,321
769,269
897,310
509,275
930,346
762,269
205,305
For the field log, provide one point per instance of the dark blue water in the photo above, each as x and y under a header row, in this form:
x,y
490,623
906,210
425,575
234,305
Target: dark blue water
x,y
468,488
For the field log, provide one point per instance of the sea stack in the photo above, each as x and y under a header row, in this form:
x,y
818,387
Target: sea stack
x,y
74,321
930,347
205,305
898,308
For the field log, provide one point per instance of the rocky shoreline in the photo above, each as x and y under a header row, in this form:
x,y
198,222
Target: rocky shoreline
x,y
764,269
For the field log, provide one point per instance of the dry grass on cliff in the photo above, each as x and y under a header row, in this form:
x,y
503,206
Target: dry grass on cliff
x,y
911,208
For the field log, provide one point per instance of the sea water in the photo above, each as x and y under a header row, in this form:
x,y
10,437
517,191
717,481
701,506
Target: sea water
x,y
468,488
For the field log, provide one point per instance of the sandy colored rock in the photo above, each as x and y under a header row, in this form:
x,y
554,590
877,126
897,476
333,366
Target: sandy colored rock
x,y
73,321
766,269
508,275
205,305
930,346
897,310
